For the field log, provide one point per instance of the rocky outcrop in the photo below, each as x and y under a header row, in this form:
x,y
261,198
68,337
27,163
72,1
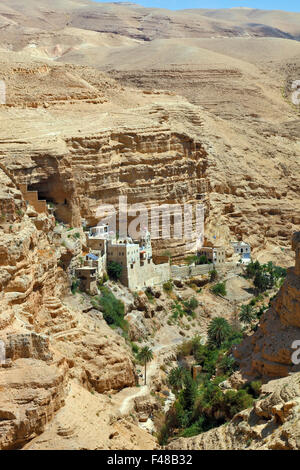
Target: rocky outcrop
x,y
272,424
48,340
31,392
27,345
268,351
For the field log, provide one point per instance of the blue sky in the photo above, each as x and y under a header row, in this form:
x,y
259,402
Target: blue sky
x,y
287,5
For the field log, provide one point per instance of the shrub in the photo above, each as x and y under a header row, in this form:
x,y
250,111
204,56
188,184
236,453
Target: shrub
x,y
196,428
213,275
114,270
163,435
191,259
219,289
168,286
228,364
75,285
185,349
112,308
253,388
149,295
135,348
190,305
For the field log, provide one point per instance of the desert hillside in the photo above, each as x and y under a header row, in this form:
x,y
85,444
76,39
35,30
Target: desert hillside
x,y
132,20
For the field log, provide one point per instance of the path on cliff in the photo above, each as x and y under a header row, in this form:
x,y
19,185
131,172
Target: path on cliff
x,y
144,390
127,401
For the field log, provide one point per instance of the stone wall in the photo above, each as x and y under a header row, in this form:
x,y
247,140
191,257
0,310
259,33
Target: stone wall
x,y
146,275
183,272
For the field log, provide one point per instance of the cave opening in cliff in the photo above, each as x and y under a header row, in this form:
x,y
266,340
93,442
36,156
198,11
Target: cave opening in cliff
x,y
53,191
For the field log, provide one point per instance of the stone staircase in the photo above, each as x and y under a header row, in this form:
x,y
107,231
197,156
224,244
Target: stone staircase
x,y
62,322
31,197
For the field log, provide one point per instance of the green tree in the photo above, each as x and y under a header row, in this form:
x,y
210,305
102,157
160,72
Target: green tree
x,y
145,355
227,364
252,269
176,378
189,393
261,282
247,314
114,270
219,331
191,259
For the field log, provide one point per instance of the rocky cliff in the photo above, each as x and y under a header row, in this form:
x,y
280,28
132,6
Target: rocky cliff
x,y
268,351
48,342
77,140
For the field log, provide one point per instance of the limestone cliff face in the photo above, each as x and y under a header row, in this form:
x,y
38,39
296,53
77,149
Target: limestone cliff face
x,y
81,139
83,169
150,166
49,339
268,352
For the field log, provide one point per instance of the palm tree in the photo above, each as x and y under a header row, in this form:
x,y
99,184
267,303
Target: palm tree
x,y
145,355
218,331
247,314
176,378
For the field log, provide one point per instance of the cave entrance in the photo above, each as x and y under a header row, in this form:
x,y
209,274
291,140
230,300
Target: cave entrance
x,y
52,190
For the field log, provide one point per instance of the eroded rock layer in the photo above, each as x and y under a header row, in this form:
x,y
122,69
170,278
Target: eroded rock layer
x,y
268,352
47,342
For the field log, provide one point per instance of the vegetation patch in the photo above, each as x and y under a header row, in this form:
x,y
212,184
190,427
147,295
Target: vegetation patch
x,y
114,270
112,308
219,289
201,403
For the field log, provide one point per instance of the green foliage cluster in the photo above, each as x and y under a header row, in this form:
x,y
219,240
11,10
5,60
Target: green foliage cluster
x,y
265,276
248,314
200,403
75,285
114,270
184,307
168,287
103,280
112,308
219,289
149,295
197,260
